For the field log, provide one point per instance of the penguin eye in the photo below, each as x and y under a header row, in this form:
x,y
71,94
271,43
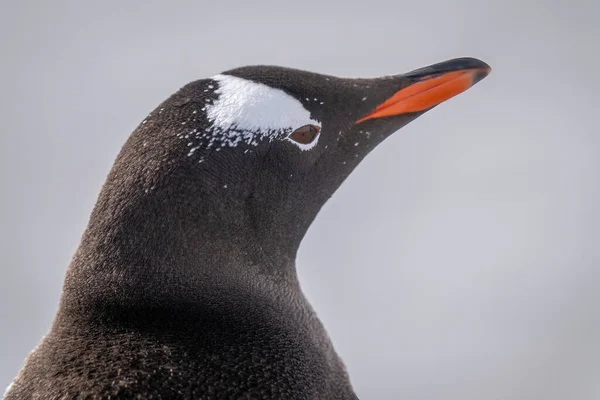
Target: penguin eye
x,y
305,134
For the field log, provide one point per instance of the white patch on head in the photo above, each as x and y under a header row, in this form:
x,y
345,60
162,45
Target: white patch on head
x,y
247,111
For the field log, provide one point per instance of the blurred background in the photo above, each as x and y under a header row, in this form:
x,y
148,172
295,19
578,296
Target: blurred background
x,y
461,260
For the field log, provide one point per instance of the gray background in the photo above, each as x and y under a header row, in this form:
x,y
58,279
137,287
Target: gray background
x,y
459,261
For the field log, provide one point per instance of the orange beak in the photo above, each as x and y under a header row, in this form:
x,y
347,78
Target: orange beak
x,y
430,89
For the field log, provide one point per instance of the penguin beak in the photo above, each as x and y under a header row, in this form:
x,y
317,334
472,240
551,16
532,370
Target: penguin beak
x,y
431,86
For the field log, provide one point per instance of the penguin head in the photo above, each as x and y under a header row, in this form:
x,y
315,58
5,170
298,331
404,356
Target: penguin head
x,y
258,150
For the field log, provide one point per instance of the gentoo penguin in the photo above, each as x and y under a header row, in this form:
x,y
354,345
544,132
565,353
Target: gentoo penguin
x,y
184,285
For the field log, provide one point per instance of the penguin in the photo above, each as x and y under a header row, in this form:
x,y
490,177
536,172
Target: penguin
x,y
184,285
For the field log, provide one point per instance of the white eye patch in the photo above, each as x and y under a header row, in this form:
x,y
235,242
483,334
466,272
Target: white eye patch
x,y
246,111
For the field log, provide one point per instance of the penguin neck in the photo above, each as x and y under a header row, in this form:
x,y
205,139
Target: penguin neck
x,y
174,248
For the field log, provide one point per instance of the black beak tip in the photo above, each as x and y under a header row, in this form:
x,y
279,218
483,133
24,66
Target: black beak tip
x,y
467,63
480,74
456,64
